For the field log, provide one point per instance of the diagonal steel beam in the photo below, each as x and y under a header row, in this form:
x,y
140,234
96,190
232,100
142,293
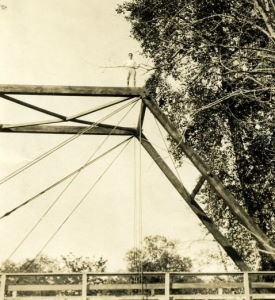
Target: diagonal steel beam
x,y
54,121
61,118
208,223
92,110
197,187
100,129
35,123
212,179
34,107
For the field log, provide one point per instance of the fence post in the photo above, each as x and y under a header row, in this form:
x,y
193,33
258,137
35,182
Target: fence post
x,y
247,286
3,287
167,286
84,286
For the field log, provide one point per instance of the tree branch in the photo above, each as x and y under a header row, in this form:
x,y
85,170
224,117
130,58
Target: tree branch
x,y
233,94
242,48
259,71
242,20
265,17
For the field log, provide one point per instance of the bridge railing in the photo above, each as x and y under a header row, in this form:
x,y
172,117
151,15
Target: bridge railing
x,y
155,286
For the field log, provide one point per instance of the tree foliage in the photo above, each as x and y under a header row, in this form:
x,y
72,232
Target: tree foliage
x,y
67,264
158,254
213,75
46,264
43,264
73,263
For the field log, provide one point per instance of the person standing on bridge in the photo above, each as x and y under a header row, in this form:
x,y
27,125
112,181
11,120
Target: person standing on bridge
x,y
131,69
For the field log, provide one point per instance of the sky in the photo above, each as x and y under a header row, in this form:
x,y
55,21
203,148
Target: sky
x,y
68,42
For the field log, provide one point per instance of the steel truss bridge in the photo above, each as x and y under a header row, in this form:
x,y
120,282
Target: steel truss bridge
x,y
244,285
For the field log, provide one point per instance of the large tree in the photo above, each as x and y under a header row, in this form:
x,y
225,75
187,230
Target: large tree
x,y
213,75
158,254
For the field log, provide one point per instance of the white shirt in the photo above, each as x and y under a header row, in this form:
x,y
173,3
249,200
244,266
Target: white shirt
x,y
131,63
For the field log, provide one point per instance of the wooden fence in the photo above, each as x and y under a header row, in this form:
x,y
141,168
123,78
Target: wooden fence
x,y
130,286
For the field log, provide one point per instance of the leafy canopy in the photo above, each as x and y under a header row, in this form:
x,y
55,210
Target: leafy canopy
x,y
213,75
46,264
158,254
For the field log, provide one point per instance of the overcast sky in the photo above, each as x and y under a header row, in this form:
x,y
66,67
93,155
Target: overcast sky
x,y
66,42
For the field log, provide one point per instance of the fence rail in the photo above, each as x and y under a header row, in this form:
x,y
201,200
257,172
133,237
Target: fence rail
x,y
130,286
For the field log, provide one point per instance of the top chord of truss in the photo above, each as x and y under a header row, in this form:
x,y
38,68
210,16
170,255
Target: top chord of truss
x,y
58,90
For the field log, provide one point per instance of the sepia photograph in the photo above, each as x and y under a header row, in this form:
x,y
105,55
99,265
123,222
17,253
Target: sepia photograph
x,y
137,149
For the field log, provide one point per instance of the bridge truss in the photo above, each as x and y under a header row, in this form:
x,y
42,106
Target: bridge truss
x,y
9,92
